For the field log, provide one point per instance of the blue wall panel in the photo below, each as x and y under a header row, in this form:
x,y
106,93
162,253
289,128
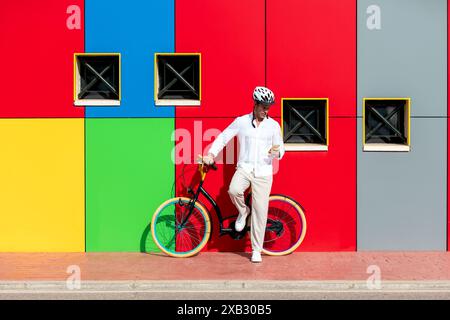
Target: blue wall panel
x,y
137,30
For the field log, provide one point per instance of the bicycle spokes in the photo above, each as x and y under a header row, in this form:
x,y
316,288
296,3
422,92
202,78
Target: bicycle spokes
x,y
179,228
190,229
284,226
165,229
275,226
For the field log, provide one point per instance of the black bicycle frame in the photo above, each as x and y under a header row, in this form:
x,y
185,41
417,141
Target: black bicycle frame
x,y
274,225
211,200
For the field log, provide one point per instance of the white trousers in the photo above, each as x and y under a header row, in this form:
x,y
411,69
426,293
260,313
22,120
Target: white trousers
x,y
261,187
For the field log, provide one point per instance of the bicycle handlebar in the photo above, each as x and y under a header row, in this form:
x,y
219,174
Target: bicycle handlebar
x,y
200,161
213,166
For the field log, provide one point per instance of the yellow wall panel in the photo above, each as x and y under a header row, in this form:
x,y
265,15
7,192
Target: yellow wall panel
x,y
42,185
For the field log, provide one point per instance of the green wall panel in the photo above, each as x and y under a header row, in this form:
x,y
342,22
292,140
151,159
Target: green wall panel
x,y
129,173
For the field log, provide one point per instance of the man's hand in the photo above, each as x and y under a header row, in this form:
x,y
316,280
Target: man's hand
x,y
209,159
274,152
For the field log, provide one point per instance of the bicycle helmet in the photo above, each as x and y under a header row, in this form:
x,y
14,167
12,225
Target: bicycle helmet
x,y
263,95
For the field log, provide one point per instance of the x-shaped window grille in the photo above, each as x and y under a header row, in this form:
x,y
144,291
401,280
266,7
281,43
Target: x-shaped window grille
x,y
304,123
385,124
99,77
178,77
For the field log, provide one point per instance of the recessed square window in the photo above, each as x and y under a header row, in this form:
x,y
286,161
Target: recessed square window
x,y
177,79
305,124
97,79
386,124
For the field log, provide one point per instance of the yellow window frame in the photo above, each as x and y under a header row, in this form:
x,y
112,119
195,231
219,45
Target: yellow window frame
x,y
94,54
394,147
187,102
307,146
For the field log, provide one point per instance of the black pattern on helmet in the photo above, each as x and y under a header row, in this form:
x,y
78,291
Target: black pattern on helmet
x,y
263,95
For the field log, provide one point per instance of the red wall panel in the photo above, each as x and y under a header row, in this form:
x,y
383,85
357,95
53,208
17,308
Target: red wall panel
x,y
198,134
323,182
230,37
36,57
325,185
311,51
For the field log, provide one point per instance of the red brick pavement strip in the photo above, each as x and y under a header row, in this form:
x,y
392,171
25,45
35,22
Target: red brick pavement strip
x,y
309,266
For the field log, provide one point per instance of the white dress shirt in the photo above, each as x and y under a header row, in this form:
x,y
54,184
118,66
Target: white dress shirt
x,y
254,143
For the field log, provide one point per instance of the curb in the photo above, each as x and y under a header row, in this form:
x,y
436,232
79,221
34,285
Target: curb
x,y
224,286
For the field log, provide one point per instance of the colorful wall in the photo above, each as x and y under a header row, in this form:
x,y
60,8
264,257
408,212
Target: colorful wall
x,y
77,179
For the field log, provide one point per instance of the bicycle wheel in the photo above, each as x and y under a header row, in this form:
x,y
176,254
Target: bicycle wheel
x,y
179,240
286,226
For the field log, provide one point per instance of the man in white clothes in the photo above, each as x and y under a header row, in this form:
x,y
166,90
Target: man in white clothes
x,y
260,142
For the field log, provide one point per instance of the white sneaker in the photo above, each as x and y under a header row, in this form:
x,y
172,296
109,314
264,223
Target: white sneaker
x,y
241,222
256,257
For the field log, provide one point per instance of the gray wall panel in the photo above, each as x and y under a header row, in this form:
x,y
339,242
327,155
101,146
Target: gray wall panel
x,y
407,57
402,195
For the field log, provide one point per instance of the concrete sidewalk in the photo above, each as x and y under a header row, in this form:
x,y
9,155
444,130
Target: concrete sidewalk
x,y
352,275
